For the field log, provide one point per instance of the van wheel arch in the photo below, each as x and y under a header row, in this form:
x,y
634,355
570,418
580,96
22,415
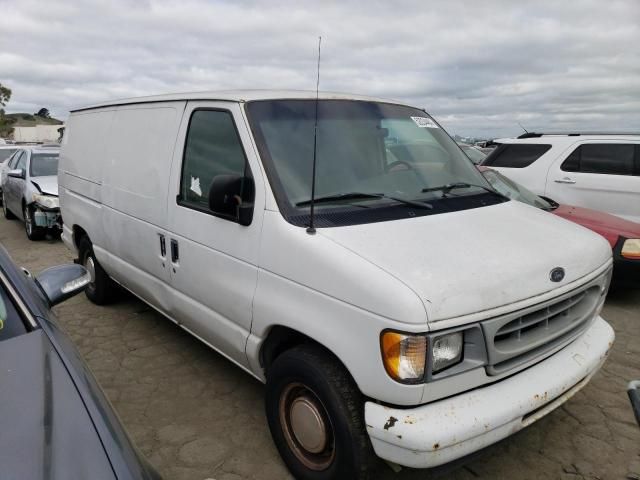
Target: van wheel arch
x,y
78,234
281,339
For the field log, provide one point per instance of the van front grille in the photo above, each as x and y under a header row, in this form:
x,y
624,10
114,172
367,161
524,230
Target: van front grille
x,y
524,335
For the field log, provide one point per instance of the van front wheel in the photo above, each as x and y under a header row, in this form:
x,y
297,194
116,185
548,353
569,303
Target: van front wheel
x,y
316,416
102,289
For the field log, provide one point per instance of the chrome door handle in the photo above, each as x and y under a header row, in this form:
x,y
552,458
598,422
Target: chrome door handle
x,y
565,180
174,251
163,246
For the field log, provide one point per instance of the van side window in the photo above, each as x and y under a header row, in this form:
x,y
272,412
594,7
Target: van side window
x,y
604,158
515,155
212,148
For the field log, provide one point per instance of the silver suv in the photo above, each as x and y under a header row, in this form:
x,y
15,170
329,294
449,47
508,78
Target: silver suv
x,y
30,190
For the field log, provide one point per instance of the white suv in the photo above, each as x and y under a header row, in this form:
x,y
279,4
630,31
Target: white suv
x,y
599,171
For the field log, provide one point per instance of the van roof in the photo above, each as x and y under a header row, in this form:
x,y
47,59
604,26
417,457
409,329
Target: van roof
x,y
237,96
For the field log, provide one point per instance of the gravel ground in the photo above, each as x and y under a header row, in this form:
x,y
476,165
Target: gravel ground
x,y
196,416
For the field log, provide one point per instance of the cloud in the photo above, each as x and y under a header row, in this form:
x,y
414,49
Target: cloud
x,y
478,67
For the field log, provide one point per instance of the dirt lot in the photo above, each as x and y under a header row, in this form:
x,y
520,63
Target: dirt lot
x,y
196,416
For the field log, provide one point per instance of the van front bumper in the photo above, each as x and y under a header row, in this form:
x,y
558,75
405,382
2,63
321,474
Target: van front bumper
x,y
445,430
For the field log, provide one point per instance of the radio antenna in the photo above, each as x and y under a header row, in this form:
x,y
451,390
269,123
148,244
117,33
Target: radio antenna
x,y
311,229
525,130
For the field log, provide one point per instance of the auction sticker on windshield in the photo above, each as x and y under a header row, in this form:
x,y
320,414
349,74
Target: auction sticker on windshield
x,y
424,122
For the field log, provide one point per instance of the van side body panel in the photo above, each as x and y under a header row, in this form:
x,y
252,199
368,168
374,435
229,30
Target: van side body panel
x,y
134,194
80,171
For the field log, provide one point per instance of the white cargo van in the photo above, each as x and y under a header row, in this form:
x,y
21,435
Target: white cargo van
x,y
423,318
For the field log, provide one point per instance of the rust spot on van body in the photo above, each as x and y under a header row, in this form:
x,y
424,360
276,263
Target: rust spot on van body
x,y
410,420
390,423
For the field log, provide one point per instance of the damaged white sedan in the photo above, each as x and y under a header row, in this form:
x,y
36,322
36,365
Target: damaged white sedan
x,y
30,191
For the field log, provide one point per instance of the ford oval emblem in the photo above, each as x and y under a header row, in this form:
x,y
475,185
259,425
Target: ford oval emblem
x,y
557,274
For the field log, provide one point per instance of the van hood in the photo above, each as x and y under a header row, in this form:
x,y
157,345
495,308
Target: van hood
x,y
48,184
474,260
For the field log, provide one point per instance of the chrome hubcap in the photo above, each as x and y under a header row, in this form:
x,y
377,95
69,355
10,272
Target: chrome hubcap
x,y
91,268
306,426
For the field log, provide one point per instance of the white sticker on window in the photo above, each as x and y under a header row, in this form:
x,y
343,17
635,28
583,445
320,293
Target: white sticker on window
x,y
424,122
195,186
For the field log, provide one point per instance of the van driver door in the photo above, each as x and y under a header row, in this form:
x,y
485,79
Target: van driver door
x,y
213,258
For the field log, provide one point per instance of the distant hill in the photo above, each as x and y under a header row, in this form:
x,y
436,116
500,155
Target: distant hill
x,y
29,120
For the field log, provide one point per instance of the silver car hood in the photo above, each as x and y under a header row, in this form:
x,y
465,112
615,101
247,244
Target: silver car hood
x,y
48,184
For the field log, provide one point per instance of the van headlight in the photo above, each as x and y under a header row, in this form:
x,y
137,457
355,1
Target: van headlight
x,y
424,357
631,249
404,355
446,351
46,201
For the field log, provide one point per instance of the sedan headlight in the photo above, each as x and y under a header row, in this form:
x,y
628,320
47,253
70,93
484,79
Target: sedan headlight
x,y
47,201
631,248
446,351
404,355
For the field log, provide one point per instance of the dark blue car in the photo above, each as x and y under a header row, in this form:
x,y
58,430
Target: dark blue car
x,y
55,422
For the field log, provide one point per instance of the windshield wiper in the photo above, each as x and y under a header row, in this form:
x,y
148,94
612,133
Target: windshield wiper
x,y
363,195
452,186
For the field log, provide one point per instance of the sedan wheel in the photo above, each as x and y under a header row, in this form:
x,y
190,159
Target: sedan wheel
x,y
33,231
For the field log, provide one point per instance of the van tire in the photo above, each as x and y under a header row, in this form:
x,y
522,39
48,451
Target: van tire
x,y
33,231
102,290
309,375
7,213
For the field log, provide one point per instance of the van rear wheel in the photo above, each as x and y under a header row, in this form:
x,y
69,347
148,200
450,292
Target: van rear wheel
x,y
102,290
316,416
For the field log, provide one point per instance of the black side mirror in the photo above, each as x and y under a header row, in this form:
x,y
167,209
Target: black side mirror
x,y
17,173
231,196
63,282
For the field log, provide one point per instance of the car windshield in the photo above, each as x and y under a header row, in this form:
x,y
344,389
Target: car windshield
x,y
515,191
368,154
44,164
475,155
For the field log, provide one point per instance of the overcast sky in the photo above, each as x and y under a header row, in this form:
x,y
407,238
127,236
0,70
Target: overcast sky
x,y
478,66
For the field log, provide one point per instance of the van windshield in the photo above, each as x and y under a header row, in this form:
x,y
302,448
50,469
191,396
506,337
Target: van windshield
x,y
370,156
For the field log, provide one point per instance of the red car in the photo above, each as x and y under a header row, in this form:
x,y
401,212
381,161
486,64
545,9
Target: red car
x,y
623,235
